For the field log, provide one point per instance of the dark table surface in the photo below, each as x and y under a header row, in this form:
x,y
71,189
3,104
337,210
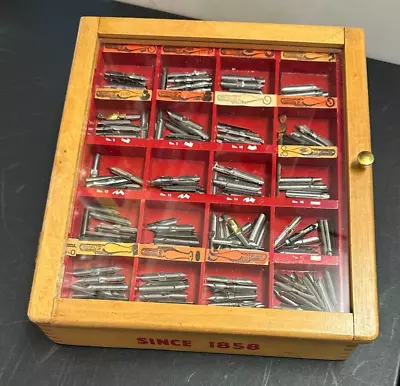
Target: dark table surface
x,y
36,45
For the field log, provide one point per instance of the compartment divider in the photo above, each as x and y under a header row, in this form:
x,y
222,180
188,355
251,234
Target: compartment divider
x,y
134,279
206,225
156,82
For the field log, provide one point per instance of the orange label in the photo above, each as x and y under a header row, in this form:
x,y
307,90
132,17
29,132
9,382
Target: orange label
x,y
247,53
184,96
171,252
123,94
307,101
237,256
195,51
293,151
130,48
99,248
309,56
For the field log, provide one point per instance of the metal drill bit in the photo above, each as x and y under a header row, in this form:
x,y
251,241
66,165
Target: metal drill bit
x,y
183,137
305,187
108,287
236,186
236,230
308,241
229,280
164,77
284,299
82,289
187,74
302,194
299,88
224,298
182,180
144,125
159,125
307,131
108,235
243,78
227,243
116,228
330,287
166,288
85,222
327,231
163,297
175,241
299,235
122,173
257,227
288,230
110,218
302,138
232,287
308,180
96,271
319,92
163,276
101,279
94,172
111,181
213,229
114,122
261,237
238,174
166,222
171,228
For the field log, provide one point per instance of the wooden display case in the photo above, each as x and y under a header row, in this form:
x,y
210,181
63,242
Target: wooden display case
x,y
332,58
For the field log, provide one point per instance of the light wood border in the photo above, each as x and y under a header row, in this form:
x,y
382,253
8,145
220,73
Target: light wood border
x,y
63,178
217,33
46,308
360,191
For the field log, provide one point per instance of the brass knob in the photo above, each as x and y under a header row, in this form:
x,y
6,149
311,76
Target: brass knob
x,y
365,158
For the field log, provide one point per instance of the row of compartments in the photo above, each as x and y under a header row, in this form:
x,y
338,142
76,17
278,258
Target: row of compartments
x,y
143,212
323,122
321,74
152,163
198,275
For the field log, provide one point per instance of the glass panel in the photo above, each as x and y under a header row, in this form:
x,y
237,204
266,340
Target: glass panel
x,y
212,176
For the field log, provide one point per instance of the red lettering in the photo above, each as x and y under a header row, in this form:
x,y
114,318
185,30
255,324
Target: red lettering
x,y
187,343
152,341
142,340
237,345
176,342
165,342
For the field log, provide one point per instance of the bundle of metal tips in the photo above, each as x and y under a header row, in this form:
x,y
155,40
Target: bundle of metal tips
x,y
304,187
237,134
303,135
189,183
233,292
186,81
242,83
233,181
112,226
123,80
120,125
179,126
118,178
160,287
105,283
306,292
303,90
225,233
168,232
293,242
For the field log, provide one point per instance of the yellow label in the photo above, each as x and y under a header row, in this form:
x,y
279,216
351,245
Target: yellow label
x,y
123,94
303,151
171,252
309,56
237,256
100,248
243,99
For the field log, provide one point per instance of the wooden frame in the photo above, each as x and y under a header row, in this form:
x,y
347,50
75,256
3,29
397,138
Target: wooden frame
x,y
279,332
